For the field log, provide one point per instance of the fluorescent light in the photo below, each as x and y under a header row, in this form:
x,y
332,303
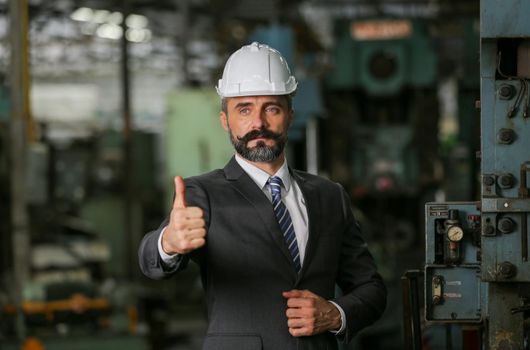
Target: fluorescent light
x,y
138,35
136,21
115,18
107,25
100,16
82,14
109,31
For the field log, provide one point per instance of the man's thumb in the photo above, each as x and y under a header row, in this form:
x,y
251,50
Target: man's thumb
x,y
180,193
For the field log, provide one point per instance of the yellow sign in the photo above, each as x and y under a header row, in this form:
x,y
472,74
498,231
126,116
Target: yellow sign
x,y
381,29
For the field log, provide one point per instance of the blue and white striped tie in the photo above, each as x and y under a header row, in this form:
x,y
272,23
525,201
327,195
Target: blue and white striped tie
x,y
284,219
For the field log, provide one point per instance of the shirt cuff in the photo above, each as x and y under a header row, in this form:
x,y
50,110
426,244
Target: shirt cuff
x,y
169,260
342,319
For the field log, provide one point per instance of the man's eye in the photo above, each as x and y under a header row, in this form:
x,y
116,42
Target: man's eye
x,y
273,110
244,111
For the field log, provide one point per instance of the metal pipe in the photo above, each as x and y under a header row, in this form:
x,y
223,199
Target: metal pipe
x,y
21,132
312,146
127,146
411,309
184,7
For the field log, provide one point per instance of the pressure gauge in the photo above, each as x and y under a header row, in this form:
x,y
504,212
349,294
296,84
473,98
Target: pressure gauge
x,y
455,233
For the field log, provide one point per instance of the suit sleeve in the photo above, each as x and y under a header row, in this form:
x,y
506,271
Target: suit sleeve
x,y
151,263
364,298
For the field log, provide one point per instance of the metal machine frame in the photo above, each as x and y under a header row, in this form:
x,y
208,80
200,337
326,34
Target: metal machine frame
x,y
476,265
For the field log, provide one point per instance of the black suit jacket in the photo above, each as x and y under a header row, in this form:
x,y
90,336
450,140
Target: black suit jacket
x,y
245,264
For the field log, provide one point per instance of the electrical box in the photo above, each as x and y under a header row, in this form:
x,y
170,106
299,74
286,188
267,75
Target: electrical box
x,y
454,291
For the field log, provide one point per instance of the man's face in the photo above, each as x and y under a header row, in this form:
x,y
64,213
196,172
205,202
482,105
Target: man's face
x,y
257,126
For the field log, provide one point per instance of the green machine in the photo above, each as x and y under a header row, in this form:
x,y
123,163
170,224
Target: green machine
x,y
385,90
382,98
194,139
382,56
390,66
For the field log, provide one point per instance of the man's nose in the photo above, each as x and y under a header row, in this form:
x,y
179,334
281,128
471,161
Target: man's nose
x,y
259,120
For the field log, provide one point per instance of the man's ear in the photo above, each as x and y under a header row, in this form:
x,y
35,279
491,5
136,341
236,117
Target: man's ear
x,y
223,118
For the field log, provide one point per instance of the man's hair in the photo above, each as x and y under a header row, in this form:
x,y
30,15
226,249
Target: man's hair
x,y
289,99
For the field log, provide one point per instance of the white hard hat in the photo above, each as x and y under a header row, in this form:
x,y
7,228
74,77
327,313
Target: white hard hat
x,y
254,70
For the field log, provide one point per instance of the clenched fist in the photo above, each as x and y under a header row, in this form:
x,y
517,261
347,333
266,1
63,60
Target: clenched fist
x,y
186,230
309,314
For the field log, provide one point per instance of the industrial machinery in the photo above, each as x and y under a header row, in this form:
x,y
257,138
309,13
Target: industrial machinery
x,y
477,272
386,144
78,261
383,106
391,67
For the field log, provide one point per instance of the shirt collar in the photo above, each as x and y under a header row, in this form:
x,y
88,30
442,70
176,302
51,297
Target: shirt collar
x,y
260,177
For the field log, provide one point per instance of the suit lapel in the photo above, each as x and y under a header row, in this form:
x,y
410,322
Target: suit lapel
x,y
248,189
312,202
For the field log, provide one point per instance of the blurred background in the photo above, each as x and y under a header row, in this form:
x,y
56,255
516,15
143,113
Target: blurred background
x,y
103,102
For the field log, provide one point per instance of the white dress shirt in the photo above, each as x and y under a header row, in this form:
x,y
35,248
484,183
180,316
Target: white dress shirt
x,y
292,198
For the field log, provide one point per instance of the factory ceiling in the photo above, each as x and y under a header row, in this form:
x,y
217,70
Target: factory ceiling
x,y
81,36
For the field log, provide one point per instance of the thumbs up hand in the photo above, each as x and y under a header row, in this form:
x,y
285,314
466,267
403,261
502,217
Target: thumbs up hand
x,y
186,230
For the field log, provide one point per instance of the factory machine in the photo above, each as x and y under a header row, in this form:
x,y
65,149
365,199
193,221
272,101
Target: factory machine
x,y
382,101
77,295
389,68
477,272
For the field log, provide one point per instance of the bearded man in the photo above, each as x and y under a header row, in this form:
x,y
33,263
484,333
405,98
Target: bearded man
x,y
272,243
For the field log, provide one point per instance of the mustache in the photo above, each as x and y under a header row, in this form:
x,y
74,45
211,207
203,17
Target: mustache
x,y
261,133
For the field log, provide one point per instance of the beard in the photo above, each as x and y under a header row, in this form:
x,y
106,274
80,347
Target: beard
x,y
261,152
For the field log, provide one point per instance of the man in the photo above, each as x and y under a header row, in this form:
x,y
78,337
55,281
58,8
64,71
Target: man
x,y
271,242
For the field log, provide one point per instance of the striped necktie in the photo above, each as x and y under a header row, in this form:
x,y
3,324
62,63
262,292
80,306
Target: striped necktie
x,y
284,220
